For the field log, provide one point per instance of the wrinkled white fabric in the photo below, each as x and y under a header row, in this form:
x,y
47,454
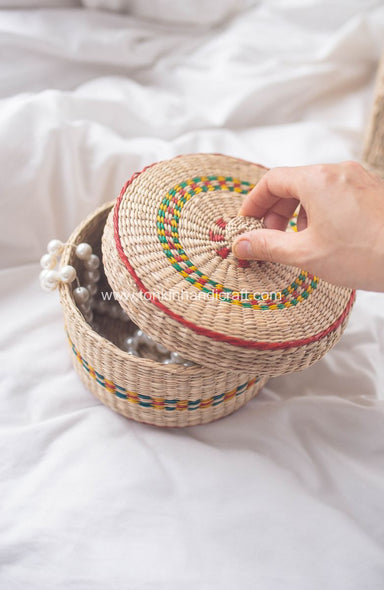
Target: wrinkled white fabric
x,y
288,493
196,12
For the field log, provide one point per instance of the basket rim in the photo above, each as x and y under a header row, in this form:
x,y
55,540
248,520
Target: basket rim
x,y
70,307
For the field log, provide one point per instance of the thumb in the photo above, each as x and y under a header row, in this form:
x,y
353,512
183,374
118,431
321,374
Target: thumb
x,y
271,245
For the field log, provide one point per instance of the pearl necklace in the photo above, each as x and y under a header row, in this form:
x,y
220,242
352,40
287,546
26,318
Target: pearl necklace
x,y
138,344
50,278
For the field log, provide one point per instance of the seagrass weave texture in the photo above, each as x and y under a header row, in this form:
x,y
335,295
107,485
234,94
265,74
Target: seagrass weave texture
x,y
373,151
168,241
141,388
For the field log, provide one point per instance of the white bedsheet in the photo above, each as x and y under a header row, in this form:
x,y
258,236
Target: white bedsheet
x,y
286,494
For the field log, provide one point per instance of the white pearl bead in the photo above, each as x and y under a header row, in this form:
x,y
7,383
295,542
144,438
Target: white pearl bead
x,y
167,362
83,251
88,316
91,276
133,351
43,274
80,294
67,274
130,342
144,338
46,287
55,247
48,261
114,311
92,263
177,358
51,280
92,288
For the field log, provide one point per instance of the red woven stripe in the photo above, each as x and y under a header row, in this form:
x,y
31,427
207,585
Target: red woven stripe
x,y
216,237
205,331
223,252
220,222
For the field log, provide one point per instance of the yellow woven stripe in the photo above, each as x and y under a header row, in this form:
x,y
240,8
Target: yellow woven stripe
x,y
157,403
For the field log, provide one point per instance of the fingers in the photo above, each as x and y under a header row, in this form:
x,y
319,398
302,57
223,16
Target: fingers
x,y
302,220
276,184
272,246
280,214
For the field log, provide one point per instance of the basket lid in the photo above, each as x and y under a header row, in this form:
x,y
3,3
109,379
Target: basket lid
x,y
167,255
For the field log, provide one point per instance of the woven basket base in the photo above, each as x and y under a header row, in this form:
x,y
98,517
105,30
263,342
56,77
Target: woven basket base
x,y
175,418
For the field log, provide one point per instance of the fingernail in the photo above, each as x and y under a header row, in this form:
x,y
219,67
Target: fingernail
x,y
243,249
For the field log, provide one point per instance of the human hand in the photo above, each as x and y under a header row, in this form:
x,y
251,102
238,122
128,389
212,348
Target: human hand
x,y
340,223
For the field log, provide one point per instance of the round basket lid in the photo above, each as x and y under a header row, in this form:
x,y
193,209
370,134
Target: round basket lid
x,y
167,254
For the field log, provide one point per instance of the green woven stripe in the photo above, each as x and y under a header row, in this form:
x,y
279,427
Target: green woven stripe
x,y
290,293
147,401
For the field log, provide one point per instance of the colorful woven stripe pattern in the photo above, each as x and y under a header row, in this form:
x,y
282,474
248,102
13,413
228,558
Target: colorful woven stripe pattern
x,y
168,233
160,403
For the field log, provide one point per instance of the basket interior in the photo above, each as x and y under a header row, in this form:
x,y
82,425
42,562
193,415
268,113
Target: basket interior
x,y
112,329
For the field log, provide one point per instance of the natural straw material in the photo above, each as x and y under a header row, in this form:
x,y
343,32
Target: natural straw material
x,y
168,242
143,389
373,152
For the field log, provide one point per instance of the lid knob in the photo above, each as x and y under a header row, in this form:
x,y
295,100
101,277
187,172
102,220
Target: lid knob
x,y
240,225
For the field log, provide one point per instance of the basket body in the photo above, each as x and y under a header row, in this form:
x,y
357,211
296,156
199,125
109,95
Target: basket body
x,y
140,388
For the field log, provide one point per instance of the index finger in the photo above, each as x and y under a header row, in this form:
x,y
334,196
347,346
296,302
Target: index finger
x,y
276,184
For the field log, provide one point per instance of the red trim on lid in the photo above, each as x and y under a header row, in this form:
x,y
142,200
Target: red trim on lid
x,y
205,331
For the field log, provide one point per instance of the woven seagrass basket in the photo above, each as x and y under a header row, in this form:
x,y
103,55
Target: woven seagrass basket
x,y
170,232
141,388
